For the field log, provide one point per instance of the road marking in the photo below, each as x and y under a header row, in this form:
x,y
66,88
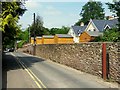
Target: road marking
x,y
33,76
30,74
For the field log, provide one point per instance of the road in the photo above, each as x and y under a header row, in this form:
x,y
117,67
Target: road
x,y
48,74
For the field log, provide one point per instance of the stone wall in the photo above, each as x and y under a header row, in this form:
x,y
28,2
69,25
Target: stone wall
x,y
114,61
86,57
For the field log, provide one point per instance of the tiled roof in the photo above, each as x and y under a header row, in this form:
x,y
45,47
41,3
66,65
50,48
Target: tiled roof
x,y
63,35
78,29
112,23
100,24
93,33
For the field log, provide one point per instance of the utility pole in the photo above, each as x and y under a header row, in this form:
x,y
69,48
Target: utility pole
x,y
34,45
29,34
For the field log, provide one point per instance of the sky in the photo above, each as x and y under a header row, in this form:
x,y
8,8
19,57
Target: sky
x,y
56,13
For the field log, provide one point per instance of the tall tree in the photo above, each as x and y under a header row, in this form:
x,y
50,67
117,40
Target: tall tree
x,y
63,30
11,12
91,10
115,8
38,27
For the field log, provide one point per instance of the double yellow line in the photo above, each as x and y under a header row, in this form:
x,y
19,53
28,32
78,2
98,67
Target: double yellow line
x,y
32,75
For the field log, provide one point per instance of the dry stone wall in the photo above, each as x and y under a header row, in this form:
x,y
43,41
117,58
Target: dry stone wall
x,y
86,57
114,61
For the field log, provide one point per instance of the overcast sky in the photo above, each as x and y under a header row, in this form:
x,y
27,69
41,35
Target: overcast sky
x,y
55,14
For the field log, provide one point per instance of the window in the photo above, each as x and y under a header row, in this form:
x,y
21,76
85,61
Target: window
x,y
94,30
89,30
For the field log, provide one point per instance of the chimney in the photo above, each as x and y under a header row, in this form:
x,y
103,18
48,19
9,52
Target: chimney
x,y
81,24
111,18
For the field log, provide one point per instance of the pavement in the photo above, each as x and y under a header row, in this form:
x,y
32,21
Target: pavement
x,y
14,76
27,71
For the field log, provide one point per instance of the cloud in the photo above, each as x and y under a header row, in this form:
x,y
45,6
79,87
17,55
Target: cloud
x,y
31,4
69,0
51,11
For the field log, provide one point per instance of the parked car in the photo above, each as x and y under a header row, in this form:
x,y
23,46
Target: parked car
x,y
11,50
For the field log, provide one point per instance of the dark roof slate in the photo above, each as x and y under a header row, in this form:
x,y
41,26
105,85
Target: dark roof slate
x,y
78,29
100,24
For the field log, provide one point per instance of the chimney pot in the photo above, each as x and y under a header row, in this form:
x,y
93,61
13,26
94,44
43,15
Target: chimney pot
x,y
81,24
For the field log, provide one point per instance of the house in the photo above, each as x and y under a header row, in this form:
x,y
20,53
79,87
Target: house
x,y
75,32
48,39
101,25
96,28
38,40
63,39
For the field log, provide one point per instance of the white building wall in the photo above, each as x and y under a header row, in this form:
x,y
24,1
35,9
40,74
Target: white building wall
x,y
91,27
75,38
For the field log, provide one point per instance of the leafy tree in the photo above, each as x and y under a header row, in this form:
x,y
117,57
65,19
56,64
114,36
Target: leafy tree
x,y
63,30
38,27
46,31
111,35
115,8
91,10
21,43
23,37
78,22
11,12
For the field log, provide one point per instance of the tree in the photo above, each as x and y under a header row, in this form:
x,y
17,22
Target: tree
x,y
63,30
46,31
78,22
38,27
23,37
111,35
91,10
115,8
11,12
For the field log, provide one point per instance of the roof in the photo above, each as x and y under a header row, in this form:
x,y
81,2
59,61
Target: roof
x,y
100,24
78,29
93,33
63,35
48,36
112,23
38,37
